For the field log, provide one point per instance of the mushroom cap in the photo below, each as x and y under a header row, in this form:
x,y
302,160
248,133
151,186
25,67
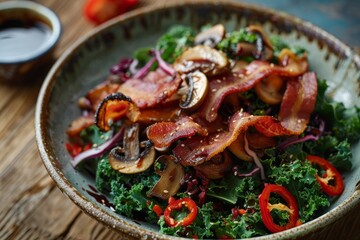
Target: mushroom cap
x,y
197,88
203,58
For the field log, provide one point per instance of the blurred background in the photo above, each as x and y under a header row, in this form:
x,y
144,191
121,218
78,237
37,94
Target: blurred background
x,y
338,17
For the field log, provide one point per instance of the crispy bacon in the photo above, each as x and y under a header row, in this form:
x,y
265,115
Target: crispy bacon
x,y
196,150
298,103
271,127
97,94
156,87
79,124
163,134
159,114
237,82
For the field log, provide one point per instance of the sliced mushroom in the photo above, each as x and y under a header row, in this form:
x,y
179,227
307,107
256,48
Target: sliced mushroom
x,y
262,49
257,29
114,107
271,89
196,85
203,58
248,49
171,177
128,159
211,36
217,166
238,148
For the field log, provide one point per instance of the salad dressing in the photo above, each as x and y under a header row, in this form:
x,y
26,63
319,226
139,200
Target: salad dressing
x,y
22,38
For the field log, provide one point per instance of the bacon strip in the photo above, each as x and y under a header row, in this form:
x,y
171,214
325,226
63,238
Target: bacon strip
x,y
271,127
196,150
237,82
97,94
154,88
79,124
298,103
163,134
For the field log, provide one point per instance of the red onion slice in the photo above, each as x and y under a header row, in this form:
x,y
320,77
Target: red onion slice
x,y
98,151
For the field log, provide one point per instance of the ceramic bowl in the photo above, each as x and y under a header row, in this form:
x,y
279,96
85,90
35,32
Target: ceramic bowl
x,y
88,61
19,62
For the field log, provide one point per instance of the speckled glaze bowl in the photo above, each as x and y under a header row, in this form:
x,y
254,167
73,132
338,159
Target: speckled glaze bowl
x,y
88,61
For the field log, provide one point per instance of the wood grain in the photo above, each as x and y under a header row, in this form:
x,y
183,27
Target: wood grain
x,y
31,206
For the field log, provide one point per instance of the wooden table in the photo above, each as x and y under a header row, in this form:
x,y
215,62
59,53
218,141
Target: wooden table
x,y
31,206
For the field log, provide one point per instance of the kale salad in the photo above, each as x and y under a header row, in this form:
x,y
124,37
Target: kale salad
x,y
215,134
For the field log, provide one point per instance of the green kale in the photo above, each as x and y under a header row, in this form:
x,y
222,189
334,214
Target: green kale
x,y
279,44
202,227
104,175
343,122
232,189
298,176
142,55
130,193
93,135
231,40
349,126
338,153
253,104
175,41
243,226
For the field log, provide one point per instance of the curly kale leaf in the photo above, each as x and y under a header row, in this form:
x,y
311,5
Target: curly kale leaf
x,y
243,226
279,44
202,227
299,178
349,126
233,189
175,41
231,40
92,134
344,123
338,153
104,175
128,191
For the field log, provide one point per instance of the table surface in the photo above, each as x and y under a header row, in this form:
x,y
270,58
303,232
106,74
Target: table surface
x,y
31,206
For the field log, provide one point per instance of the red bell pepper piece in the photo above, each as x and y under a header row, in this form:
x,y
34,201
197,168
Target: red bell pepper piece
x,y
158,210
331,181
266,207
75,149
99,11
177,205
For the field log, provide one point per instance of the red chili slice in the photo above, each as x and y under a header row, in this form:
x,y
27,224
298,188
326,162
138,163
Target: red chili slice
x,y
266,207
331,181
178,205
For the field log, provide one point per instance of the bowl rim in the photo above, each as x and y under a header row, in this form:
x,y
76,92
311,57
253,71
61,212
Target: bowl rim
x,y
50,15
134,230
